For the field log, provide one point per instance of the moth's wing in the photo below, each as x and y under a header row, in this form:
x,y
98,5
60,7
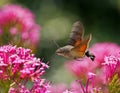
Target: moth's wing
x,y
76,34
81,48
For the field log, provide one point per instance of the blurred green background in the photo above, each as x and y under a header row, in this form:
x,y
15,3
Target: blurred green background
x,y
100,17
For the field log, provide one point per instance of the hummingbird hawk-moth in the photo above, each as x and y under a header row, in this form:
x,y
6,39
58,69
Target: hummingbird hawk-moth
x,y
76,46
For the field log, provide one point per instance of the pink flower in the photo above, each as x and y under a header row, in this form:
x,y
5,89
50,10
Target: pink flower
x,y
80,69
79,87
19,62
20,89
18,66
90,78
76,87
17,25
100,50
112,67
38,87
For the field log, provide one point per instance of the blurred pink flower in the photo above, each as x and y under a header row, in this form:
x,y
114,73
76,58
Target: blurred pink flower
x,y
80,69
58,88
17,25
77,86
84,87
67,91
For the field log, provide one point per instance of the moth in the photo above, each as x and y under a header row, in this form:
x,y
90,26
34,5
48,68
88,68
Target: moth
x,y
76,46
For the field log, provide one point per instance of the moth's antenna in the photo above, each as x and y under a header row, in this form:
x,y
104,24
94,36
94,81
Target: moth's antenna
x,y
56,43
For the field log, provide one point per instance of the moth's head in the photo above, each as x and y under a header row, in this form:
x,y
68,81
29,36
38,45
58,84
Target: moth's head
x,y
64,51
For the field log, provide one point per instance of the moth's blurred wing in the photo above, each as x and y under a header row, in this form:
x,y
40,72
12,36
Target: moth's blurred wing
x,y
76,34
82,47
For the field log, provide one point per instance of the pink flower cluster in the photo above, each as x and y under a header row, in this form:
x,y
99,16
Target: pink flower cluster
x,y
39,86
17,25
112,67
18,64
